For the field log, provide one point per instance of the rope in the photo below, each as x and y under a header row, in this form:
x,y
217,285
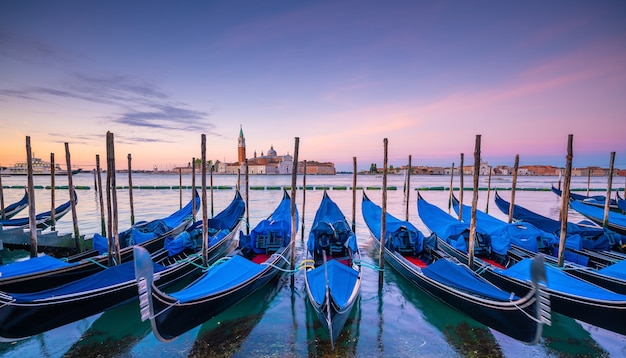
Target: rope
x,y
216,263
9,299
96,262
480,270
369,265
537,320
280,268
288,271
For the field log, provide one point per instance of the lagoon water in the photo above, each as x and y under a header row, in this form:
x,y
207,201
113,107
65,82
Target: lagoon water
x,y
397,321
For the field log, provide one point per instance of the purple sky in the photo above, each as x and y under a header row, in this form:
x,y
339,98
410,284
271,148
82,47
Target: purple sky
x,y
340,75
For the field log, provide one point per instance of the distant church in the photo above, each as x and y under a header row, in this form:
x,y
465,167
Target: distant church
x,y
270,163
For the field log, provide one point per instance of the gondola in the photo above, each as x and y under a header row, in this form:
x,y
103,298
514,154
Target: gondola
x,y
333,272
45,272
621,203
12,209
592,237
27,314
616,220
594,200
259,258
454,283
503,235
568,295
144,231
592,267
43,220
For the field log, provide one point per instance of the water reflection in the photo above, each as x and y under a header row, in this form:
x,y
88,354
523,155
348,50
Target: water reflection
x,y
466,336
318,342
115,332
566,335
53,343
224,335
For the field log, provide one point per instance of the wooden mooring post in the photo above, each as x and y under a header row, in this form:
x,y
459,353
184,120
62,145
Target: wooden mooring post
x,y
103,226
247,194
461,188
70,184
130,191
354,194
211,182
609,189
180,188
488,190
303,198
565,199
383,220
2,213
193,188
513,187
114,240
451,189
408,191
205,214
32,223
53,212
472,237
294,177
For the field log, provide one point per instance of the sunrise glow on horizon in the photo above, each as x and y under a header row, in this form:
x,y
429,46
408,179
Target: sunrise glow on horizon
x,y
341,76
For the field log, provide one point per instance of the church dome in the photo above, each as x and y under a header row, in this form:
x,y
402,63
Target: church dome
x,y
271,152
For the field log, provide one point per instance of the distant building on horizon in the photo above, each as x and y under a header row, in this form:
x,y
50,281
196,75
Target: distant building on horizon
x,y
270,163
524,170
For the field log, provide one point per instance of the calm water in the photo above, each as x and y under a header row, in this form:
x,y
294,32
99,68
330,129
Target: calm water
x,y
397,321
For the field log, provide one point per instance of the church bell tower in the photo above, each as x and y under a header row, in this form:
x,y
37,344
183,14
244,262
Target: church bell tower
x,y
241,146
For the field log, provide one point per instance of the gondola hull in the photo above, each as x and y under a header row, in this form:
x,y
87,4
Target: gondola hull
x,y
21,320
84,264
596,200
609,315
22,315
12,209
590,275
47,279
616,220
521,318
260,257
330,313
514,320
333,278
177,318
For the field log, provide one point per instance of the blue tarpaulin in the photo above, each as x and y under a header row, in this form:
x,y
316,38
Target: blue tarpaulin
x,y
329,220
341,281
401,234
462,278
108,277
36,264
219,278
560,281
594,237
144,231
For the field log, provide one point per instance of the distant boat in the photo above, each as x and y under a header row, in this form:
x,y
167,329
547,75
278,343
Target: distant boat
x,y
40,167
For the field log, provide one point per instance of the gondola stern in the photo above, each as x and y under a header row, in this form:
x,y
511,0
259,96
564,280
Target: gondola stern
x,y
541,309
540,280
144,274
